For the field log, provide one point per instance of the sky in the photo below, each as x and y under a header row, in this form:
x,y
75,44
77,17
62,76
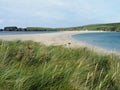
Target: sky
x,y
58,13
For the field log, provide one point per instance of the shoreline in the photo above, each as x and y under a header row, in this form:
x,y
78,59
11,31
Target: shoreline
x,y
55,38
63,38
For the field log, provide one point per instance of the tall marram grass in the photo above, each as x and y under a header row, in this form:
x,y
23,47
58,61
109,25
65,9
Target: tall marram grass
x,y
32,66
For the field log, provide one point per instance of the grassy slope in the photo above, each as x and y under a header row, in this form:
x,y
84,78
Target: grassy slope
x,y
105,27
31,66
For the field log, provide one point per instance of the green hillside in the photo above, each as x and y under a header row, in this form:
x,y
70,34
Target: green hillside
x,y
104,27
39,29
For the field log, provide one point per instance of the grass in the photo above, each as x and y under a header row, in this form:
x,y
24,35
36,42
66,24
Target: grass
x,y
93,27
32,66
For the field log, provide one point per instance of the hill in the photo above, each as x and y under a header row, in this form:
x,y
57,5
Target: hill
x,y
104,27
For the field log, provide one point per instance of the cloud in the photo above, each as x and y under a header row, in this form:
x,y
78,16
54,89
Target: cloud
x,y
58,13
1,21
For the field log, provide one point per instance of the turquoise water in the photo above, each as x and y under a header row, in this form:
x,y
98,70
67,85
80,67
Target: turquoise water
x,y
24,32
105,40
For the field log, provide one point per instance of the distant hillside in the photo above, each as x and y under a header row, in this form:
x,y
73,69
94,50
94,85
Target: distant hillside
x,y
104,27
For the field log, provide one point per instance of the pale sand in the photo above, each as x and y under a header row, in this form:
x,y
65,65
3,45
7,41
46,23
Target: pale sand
x,y
57,38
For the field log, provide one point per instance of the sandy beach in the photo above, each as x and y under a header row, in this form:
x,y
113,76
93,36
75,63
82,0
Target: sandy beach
x,y
63,38
55,38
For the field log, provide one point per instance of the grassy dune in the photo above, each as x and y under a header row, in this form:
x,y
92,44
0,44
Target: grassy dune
x,y
31,66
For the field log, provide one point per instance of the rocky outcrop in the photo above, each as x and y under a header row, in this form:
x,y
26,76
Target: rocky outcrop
x,y
13,28
1,29
10,28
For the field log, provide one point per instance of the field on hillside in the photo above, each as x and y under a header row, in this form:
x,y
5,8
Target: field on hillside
x,y
91,27
32,66
104,27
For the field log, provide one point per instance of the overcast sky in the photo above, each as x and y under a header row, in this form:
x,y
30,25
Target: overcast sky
x,y
58,13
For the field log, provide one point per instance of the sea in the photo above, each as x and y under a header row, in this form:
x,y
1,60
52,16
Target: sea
x,y
106,40
24,32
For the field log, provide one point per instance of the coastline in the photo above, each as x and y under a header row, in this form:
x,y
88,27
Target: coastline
x,y
63,38
55,38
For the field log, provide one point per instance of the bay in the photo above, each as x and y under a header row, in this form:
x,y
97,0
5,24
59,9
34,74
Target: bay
x,y
106,40
24,32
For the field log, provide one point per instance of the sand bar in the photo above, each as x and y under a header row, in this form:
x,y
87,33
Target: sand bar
x,y
55,38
